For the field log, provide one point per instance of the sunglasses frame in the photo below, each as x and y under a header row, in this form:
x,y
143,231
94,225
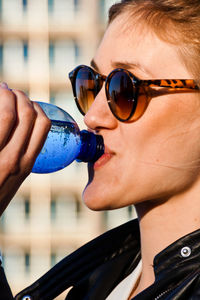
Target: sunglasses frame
x,y
171,84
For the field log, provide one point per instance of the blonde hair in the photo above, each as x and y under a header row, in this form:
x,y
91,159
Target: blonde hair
x,y
175,21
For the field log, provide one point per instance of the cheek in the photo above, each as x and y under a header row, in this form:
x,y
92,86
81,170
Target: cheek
x,y
168,124
163,150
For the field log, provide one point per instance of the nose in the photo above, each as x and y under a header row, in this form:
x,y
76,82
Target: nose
x,y
99,115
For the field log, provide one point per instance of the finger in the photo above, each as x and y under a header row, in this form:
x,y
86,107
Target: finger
x,y
7,115
13,151
39,134
26,116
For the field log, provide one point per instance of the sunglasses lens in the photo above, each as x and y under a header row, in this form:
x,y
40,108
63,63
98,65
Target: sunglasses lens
x,y
121,94
85,88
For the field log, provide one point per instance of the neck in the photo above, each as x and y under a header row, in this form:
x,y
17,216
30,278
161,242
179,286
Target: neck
x,y
162,223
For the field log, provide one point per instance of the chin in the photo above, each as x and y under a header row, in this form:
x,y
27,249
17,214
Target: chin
x,y
97,197
94,199
96,194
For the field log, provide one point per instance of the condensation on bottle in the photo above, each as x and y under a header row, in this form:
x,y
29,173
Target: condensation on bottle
x,y
65,142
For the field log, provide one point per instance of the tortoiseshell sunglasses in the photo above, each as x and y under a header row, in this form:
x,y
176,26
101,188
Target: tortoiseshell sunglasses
x,y
126,94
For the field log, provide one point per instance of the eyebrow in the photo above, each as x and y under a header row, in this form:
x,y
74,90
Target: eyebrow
x,y
124,65
94,65
131,66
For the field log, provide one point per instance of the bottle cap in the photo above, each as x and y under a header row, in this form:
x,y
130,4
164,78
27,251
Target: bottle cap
x,y
92,147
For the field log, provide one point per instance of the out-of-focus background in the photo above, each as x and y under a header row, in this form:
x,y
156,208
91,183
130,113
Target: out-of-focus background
x,y
40,42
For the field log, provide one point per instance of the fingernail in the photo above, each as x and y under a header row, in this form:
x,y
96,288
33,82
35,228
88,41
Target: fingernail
x,y
4,85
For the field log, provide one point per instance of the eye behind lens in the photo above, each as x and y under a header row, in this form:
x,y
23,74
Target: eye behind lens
x,y
121,93
85,88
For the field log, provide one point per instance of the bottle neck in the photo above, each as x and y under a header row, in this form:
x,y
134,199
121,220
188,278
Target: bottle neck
x,y
92,147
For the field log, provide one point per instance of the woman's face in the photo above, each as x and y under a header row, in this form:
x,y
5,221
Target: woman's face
x,y
156,156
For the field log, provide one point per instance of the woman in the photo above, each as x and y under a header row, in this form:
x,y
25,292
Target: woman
x,y
148,113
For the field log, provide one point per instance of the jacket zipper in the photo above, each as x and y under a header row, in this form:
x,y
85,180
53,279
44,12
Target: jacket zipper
x,y
162,294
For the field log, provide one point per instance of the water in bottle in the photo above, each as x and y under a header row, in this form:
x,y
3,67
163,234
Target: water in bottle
x,y
65,142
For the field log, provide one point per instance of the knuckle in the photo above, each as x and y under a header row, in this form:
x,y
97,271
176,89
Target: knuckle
x,y
8,116
27,163
28,112
5,93
46,123
14,164
19,93
25,170
29,166
24,104
9,164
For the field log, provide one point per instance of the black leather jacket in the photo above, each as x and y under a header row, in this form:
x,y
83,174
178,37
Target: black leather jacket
x,y
97,267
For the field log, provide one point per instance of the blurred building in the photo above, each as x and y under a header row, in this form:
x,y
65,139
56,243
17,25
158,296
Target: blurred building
x,y
40,42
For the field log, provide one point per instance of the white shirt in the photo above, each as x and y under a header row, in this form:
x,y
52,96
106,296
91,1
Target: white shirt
x,y
125,287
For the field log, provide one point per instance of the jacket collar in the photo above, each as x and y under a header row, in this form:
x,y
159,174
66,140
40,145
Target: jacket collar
x,y
183,251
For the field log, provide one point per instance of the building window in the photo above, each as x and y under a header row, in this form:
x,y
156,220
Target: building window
x,y
2,223
65,210
50,6
1,58
52,98
104,7
63,55
53,209
0,9
2,259
25,5
27,262
76,51
53,259
51,53
25,51
78,207
27,208
119,216
76,3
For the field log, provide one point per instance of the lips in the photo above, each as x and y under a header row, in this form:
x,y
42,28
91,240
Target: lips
x,y
103,159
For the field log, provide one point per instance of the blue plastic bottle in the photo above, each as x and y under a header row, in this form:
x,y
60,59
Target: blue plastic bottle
x,y
65,142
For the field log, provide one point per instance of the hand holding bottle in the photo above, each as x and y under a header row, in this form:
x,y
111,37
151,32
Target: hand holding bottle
x,y
23,130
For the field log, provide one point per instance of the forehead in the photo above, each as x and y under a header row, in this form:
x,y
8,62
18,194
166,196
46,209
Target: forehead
x,y
127,41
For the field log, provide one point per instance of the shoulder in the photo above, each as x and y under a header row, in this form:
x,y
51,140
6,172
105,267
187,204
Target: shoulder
x,y
112,256
189,288
194,287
